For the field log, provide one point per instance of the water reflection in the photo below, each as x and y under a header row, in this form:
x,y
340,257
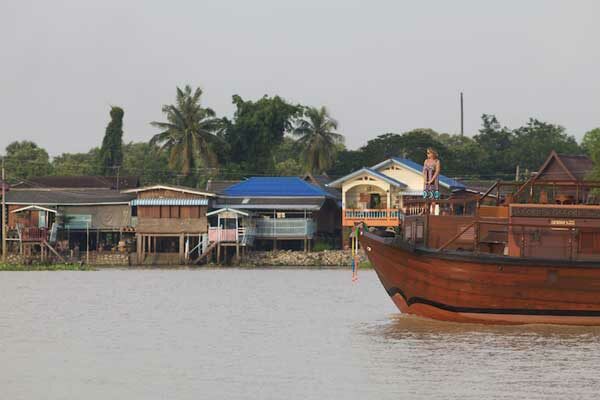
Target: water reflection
x,y
441,359
402,326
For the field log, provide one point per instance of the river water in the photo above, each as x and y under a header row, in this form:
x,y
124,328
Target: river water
x,y
265,334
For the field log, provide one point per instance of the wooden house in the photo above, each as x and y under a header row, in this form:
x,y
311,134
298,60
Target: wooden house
x,y
380,195
170,222
82,219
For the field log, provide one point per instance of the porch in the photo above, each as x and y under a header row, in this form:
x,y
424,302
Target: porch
x,y
374,217
374,199
242,235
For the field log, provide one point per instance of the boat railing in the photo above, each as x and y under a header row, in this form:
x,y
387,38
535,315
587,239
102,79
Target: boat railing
x,y
543,191
562,239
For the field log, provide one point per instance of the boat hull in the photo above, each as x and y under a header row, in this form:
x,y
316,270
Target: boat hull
x,y
481,289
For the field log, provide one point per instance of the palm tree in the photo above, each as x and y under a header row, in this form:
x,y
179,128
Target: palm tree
x,y
188,136
317,139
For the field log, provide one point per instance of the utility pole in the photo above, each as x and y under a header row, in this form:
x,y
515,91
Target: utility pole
x,y
3,214
87,249
462,119
118,169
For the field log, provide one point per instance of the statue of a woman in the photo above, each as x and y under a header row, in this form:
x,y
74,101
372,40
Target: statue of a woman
x,y
431,175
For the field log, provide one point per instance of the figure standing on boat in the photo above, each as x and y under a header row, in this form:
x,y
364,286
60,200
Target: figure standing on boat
x,y
431,174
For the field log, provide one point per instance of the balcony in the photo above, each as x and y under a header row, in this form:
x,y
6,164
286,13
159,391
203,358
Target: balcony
x,y
33,234
372,217
242,235
288,228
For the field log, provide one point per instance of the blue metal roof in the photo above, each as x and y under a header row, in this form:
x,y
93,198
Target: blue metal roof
x,y
169,202
451,183
275,186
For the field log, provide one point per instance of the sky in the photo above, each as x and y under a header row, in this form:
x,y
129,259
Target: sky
x,y
378,66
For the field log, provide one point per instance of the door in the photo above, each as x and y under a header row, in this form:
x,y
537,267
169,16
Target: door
x,y
374,200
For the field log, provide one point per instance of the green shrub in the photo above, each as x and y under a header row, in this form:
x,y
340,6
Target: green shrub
x,y
322,245
45,267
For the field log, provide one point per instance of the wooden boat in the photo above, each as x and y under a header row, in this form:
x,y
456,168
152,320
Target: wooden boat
x,y
506,264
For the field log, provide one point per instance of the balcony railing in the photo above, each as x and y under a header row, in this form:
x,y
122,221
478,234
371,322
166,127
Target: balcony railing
x,y
285,228
375,217
33,234
241,235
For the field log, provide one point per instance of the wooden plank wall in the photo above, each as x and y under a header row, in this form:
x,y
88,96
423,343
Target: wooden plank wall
x,y
171,212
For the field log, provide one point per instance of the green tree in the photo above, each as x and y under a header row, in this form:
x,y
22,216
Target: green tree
x,y
73,164
463,156
258,127
416,142
346,162
148,162
111,152
189,135
412,145
591,145
25,159
381,148
317,139
533,142
496,142
287,158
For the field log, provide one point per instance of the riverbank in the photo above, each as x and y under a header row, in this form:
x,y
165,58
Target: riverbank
x,y
46,267
288,258
258,259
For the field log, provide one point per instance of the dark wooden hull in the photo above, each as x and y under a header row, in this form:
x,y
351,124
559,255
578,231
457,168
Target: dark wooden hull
x,y
470,288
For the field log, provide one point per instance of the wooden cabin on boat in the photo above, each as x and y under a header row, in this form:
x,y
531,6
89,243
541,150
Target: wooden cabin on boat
x,y
286,211
554,215
380,195
170,223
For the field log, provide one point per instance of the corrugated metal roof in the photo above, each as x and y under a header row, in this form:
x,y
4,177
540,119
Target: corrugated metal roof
x,y
275,186
53,197
169,202
322,181
87,182
174,188
218,186
271,203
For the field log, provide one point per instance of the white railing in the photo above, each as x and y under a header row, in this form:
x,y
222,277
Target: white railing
x,y
383,213
288,227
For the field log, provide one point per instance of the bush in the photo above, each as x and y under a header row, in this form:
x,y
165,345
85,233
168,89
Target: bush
x,y
322,245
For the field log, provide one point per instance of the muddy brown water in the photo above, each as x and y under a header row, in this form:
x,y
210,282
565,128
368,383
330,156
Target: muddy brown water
x,y
265,334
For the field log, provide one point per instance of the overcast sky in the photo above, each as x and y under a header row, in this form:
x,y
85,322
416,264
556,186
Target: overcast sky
x,y
379,66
